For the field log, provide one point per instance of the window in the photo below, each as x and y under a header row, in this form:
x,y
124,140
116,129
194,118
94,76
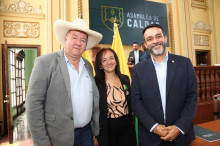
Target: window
x,y
17,78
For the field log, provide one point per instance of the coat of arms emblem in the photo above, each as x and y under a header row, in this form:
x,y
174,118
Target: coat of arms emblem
x,y
109,14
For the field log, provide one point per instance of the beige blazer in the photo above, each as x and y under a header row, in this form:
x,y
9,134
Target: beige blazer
x,y
48,104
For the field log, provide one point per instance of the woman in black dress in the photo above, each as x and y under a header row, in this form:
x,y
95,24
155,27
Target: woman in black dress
x,y
116,120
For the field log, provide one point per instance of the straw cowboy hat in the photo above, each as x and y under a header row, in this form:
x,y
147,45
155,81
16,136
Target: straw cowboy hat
x,y
61,28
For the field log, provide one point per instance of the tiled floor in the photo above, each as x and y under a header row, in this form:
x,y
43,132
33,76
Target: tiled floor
x,y
25,142
21,135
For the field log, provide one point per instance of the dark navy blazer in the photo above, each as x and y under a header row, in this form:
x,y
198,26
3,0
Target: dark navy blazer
x,y
181,99
131,54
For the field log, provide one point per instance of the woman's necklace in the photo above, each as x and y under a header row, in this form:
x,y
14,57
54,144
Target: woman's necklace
x,y
114,82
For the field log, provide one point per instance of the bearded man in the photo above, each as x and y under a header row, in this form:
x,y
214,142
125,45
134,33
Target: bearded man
x,y
164,94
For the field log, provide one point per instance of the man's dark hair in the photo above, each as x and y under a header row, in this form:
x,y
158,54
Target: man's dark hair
x,y
154,25
135,43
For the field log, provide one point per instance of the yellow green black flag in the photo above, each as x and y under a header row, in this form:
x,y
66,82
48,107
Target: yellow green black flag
x,y
87,56
118,48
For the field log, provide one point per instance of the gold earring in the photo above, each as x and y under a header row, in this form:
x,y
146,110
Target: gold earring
x,y
101,67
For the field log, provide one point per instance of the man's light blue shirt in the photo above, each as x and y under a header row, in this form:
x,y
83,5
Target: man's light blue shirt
x,y
136,56
81,93
161,72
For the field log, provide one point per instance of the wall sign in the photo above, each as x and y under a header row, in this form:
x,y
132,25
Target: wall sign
x,y
132,17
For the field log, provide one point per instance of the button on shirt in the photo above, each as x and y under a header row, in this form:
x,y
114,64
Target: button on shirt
x,y
81,93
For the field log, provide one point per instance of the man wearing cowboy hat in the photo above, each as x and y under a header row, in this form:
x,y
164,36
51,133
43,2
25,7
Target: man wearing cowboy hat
x,y
63,101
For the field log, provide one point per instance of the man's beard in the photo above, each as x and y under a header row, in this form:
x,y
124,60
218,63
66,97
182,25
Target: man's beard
x,y
157,45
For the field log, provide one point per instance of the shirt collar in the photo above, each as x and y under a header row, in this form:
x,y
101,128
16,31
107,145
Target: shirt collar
x,y
166,58
81,61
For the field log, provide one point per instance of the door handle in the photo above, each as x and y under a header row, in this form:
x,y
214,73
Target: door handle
x,y
6,101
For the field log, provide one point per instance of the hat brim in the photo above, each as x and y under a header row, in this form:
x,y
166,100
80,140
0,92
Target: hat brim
x,y
61,28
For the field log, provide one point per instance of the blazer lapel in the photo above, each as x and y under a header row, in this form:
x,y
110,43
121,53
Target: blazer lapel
x,y
171,68
153,77
64,71
133,54
90,71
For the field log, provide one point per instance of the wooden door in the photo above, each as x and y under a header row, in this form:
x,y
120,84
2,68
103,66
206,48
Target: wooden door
x,y
6,94
203,57
13,81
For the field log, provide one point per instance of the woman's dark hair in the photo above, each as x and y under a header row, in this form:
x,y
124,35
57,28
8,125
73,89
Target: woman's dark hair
x,y
100,74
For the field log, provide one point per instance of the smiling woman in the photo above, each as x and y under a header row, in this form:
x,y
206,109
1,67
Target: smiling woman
x,y
108,62
116,120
